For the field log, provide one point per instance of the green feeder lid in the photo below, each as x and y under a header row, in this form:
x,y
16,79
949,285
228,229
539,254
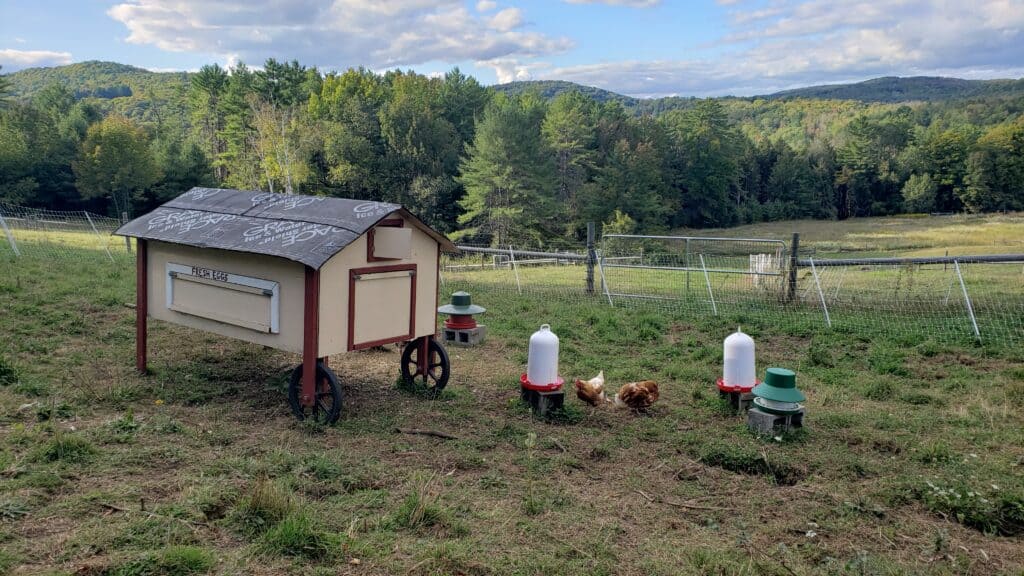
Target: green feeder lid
x,y
461,305
779,385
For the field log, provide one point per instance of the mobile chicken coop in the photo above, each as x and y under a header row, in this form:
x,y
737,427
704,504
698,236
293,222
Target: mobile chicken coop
x,y
304,274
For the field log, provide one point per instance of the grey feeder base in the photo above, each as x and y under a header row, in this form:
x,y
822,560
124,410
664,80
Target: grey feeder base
x,y
465,337
739,401
772,424
543,402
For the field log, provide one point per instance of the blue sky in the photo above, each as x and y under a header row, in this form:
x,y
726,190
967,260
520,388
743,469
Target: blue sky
x,y
637,47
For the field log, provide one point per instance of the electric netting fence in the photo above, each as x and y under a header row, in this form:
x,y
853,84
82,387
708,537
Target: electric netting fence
x,y
951,298
955,298
59,235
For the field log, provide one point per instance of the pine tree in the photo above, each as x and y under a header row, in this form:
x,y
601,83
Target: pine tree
x,y
509,175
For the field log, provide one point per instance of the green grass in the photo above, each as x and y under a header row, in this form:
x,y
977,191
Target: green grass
x,y
199,468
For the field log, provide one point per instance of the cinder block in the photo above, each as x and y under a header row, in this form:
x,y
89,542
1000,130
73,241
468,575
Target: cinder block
x,y
465,337
543,402
739,401
771,424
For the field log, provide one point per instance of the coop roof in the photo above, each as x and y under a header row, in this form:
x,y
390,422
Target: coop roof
x,y
306,229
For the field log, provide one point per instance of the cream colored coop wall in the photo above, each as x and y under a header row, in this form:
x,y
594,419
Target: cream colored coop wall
x,y
243,312
334,291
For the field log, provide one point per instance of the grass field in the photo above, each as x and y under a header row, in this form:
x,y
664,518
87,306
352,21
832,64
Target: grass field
x,y
911,461
913,235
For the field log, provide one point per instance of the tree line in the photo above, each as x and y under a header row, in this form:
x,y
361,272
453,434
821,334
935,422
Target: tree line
x,y
513,168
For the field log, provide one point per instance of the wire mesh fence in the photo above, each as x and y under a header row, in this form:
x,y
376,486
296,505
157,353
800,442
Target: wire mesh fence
x,y
957,299
737,279
60,235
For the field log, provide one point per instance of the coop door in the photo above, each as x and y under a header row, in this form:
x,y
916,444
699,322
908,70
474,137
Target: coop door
x,y
381,306
228,298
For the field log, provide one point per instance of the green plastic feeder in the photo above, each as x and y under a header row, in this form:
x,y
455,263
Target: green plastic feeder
x,y
461,305
779,385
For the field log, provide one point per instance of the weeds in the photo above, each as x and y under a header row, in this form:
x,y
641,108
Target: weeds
x,y
67,448
170,561
420,508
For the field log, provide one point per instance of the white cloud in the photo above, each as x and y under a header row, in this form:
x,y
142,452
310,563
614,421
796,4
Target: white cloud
x,y
506,20
13,60
333,33
798,43
630,3
486,5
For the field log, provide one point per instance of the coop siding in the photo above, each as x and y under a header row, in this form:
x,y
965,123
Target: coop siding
x,y
290,276
334,289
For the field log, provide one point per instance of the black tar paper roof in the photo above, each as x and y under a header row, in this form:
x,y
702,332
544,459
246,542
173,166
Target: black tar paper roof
x,y
306,229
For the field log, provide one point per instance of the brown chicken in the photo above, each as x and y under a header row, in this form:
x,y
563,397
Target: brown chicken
x,y
591,391
637,395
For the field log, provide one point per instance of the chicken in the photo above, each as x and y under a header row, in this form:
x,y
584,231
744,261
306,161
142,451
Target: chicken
x,y
637,395
591,391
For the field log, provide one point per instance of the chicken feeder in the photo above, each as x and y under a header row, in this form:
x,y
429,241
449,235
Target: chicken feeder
x,y
776,403
310,275
461,328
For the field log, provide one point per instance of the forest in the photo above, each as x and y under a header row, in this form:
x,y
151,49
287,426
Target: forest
x,y
527,165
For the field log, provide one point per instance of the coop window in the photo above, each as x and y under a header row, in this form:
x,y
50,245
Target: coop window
x,y
252,303
389,240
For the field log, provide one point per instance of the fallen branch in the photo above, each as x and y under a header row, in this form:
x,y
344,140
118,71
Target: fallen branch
x,y
422,432
694,506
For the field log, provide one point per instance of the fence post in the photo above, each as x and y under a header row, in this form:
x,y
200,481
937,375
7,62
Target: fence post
x,y
821,295
707,280
793,251
10,237
687,242
127,240
512,258
604,282
591,257
98,237
967,300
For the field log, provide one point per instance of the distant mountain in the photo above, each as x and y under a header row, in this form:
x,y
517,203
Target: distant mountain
x,y
95,79
888,89
549,89
914,88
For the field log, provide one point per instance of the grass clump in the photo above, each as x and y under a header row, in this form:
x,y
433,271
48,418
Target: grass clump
x,y
265,505
298,536
8,373
171,561
746,460
420,508
67,448
990,511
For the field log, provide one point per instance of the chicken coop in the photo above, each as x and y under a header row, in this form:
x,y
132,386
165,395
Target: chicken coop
x,y
309,275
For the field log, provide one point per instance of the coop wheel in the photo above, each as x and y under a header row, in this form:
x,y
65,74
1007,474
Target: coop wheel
x,y
327,407
439,368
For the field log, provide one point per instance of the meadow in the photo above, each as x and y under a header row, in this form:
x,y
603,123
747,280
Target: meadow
x,y
911,460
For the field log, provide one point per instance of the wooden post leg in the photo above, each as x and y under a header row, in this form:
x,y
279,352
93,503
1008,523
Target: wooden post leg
x,y
424,356
311,337
141,305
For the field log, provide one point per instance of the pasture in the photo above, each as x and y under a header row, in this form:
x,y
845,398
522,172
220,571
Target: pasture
x,y
911,462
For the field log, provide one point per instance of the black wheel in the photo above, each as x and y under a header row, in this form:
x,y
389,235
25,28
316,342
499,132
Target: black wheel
x,y
439,368
327,407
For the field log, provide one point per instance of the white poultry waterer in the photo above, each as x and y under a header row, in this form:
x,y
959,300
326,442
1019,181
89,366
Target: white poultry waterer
x,y
542,362
739,373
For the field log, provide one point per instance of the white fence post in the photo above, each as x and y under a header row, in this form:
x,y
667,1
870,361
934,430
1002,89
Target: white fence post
x,y
10,237
821,294
512,258
98,237
967,300
604,282
707,280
